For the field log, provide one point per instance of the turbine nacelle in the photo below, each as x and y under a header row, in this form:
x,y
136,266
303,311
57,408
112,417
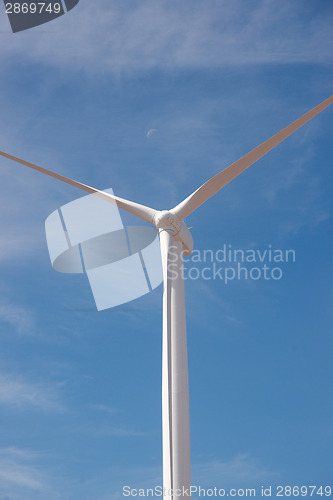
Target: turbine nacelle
x,y
166,220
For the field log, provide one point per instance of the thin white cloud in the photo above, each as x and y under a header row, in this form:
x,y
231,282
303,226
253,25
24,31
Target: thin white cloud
x,y
22,213
120,431
15,392
22,475
124,36
105,409
17,474
297,171
226,310
240,469
18,317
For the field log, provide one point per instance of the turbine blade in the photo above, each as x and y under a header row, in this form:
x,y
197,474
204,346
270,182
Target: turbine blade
x,y
217,182
140,211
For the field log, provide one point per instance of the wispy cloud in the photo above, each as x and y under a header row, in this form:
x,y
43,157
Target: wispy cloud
x,y
18,317
105,409
18,474
22,212
241,470
118,431
212,300
125,36
15,392
126,432
297,173
21,476
238,470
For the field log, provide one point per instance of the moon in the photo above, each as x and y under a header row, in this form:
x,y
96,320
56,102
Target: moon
x,y
151,132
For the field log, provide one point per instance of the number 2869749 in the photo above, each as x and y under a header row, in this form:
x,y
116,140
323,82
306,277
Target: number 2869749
x,y
33,8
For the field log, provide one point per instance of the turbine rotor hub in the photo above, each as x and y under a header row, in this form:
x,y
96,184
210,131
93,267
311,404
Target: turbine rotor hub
x,y
167,220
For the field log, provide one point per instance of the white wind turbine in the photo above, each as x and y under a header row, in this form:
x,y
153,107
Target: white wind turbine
x,y
175,239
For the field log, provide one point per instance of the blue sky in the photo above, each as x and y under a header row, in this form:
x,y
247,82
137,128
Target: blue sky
x,y
80,391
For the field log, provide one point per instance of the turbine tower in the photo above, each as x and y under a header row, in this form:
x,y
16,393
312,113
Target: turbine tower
x,y
176,240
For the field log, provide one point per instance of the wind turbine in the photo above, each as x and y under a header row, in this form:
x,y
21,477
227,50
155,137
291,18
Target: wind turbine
x,y
175,240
